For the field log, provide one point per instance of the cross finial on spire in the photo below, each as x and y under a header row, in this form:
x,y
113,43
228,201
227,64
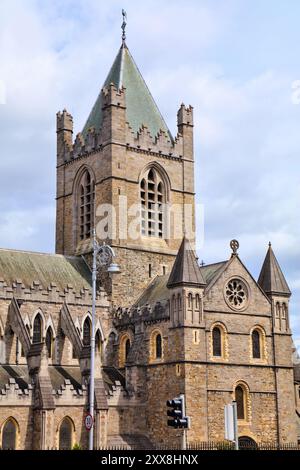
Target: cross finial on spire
x,y
124,26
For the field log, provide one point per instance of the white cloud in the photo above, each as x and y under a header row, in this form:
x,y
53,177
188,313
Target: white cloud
x,y
56,54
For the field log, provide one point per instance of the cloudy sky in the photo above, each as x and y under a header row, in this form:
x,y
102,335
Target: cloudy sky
x,y
235,61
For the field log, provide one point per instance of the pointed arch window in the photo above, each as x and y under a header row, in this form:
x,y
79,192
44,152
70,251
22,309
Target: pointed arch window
x,y
9,435
86,205
256,344
217,342
65,434
49,342
98,341
127,348
37,329
87,329
153,197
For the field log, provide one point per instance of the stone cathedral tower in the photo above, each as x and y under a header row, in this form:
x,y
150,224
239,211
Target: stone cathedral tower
x,y
128,176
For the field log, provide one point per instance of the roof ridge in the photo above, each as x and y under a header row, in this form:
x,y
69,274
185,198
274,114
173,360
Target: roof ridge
x,y
13,250
41,253
213,264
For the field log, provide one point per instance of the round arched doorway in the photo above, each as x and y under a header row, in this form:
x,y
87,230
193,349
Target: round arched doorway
x,y
247,443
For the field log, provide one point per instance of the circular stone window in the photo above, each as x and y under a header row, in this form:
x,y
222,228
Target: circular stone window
x,y
236,294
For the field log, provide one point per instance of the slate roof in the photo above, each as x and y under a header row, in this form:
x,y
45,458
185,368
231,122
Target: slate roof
x,y
141,108
19,373
185,269
157,290
209,271
271,278
29,267
111,375
58,375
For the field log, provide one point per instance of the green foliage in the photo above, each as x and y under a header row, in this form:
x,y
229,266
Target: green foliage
x,y
77,446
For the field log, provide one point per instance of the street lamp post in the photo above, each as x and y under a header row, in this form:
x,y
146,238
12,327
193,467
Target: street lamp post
x,y
102,256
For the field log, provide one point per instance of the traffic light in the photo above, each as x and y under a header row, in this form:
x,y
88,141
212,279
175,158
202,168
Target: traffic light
x,y
177,413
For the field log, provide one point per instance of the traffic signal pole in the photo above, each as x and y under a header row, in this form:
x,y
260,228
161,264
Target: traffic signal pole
x,y
179,419
183,444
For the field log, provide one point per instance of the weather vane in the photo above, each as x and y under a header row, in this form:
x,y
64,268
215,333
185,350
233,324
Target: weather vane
x,y
124,25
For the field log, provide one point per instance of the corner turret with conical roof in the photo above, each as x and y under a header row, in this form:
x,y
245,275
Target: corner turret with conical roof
x,y
273,283
185,269
126,162
186,285
271,278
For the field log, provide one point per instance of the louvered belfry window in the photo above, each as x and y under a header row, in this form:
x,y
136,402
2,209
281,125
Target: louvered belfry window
x,y
86,206
152,194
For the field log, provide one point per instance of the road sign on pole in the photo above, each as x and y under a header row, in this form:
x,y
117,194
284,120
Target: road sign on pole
x,y
231,426
88,422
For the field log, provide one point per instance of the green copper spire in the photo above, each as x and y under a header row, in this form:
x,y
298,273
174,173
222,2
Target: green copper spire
x,y
141,108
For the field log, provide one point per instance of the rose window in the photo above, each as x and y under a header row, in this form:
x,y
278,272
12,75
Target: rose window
x,y
236,294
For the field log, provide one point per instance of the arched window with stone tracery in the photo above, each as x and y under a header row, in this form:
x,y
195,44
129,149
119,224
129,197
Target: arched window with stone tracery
x,y
66,431
9,435
86,205
153,198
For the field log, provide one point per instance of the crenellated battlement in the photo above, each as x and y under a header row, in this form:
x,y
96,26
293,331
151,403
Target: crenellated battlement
x,y
37,293
112,96
12,393
92,139
185,115
130,316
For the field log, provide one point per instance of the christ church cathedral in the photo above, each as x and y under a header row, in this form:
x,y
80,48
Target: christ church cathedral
x,y
165,325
